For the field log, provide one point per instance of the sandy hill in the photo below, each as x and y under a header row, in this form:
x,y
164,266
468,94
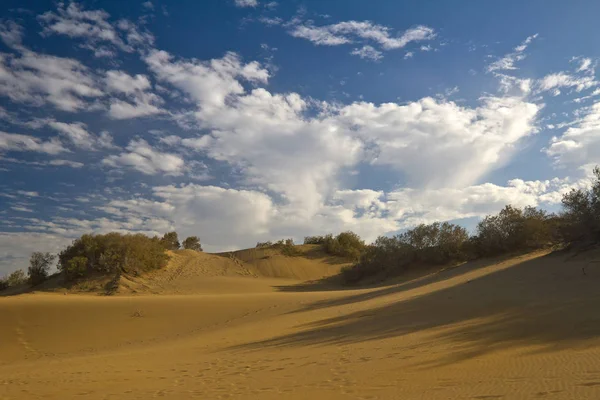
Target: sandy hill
x,y
525,327
192,272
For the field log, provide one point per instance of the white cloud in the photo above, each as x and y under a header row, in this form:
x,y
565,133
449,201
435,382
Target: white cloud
x,y
209,83
59,163
368,52
585,64
139,100
246,3
94,27
141,107
75,22
409,54
561,79
28,194
37,79
413,206
148,5
270,21
11,34
16,142
580,143
508,61
16,248
352,31
122,82
271,139
77,133
142,157
428,140
52,163
21,209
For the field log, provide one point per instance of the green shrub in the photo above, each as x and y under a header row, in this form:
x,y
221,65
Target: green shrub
x,y
192,243
433,244
346,244
513,229
112,253
170,241
76,267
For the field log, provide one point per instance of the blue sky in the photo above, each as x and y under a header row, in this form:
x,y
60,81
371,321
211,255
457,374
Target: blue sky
x,y
250,120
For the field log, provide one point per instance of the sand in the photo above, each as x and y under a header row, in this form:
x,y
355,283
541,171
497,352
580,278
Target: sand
x,y
525,327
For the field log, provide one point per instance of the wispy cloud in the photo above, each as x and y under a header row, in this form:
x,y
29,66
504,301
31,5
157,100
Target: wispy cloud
x,y
352,31
246,3
17,142
508,61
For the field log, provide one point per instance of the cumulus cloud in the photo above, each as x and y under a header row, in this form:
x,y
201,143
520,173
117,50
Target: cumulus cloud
x,y
208,83
144,158
427,140
278,147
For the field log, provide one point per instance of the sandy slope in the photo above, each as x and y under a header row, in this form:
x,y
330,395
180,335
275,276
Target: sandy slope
x,y
521,328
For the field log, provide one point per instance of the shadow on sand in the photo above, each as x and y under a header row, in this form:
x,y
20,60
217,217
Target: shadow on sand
x,y
543,301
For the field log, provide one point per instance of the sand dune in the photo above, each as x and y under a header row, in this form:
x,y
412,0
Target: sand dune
x,y
514,328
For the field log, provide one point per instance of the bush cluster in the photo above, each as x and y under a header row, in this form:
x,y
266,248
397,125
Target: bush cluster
x,y
112,253
346,244
434,244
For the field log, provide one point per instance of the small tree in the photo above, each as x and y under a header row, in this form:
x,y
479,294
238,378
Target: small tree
x,y
192,243
39,266
18,277
170,241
